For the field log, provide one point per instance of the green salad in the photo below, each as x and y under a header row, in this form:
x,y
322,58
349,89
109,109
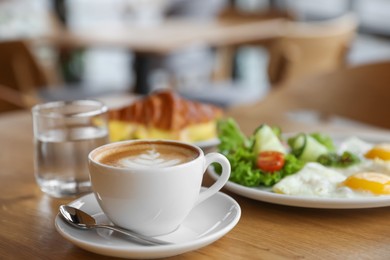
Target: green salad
x,y
264,158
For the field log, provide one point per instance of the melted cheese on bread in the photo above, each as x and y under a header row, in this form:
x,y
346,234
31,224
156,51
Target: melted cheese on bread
x,y
165,115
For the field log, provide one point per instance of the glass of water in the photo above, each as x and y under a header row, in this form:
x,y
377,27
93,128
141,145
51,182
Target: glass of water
x,y
64,134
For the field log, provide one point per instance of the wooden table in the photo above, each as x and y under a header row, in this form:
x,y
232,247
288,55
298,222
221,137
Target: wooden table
x,y
265,231
147,42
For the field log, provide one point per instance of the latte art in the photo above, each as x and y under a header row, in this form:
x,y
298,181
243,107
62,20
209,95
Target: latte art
x,y
147,154
151,158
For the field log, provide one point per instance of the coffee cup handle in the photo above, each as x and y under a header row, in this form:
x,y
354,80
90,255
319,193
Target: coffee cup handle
x,y
223,178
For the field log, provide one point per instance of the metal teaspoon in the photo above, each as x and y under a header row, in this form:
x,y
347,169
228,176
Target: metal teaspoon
x,y
80,219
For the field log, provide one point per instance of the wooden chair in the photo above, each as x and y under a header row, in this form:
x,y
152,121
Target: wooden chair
x,y
359,93
225,56
307,48
20,75
224,89
11,99
24,82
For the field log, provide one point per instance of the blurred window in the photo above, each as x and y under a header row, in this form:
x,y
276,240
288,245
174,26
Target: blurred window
x,y
318,9
374,15
23,18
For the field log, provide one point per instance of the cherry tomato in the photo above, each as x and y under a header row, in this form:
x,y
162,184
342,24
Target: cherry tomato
x,y
270,161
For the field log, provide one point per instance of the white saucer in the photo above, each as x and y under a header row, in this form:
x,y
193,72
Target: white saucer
x,y
206,223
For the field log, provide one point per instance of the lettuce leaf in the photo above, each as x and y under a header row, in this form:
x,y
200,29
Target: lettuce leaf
x,y
230,136
237,148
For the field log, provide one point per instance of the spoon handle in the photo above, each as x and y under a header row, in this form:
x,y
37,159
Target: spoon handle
x,y
136,237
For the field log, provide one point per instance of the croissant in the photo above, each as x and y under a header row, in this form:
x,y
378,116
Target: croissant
x,y
165,114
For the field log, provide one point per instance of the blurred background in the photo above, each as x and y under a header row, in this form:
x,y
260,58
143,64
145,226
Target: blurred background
x,y
89,48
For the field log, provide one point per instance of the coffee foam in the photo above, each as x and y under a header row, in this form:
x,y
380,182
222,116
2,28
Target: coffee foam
x,y
151,158
147,155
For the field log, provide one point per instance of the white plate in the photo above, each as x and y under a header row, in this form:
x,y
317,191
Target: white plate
x,y
208,144
266,194
206,223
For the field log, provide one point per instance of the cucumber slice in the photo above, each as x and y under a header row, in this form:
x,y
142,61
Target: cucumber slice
x,y
266,140
297,144
307,148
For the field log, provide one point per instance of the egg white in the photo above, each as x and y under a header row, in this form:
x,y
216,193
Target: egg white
x,y
312,180
316,180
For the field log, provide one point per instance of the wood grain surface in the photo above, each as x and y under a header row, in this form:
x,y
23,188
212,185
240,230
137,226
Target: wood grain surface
x,y
265,231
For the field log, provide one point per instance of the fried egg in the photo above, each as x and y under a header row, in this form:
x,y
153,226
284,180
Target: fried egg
x,y
379,151
371,177
376,183
312,180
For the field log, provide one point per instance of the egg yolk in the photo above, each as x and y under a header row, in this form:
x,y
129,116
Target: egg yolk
x,y
376,183
381,151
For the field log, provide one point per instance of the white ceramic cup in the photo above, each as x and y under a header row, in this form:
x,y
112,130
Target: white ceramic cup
x,y
152,200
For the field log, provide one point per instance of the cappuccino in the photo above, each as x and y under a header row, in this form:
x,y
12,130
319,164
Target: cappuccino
x,y
150,186
149,154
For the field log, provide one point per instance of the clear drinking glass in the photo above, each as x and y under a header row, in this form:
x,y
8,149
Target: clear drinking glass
x,y
64,134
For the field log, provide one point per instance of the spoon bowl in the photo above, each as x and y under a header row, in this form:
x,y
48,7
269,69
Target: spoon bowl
x,y
83,220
